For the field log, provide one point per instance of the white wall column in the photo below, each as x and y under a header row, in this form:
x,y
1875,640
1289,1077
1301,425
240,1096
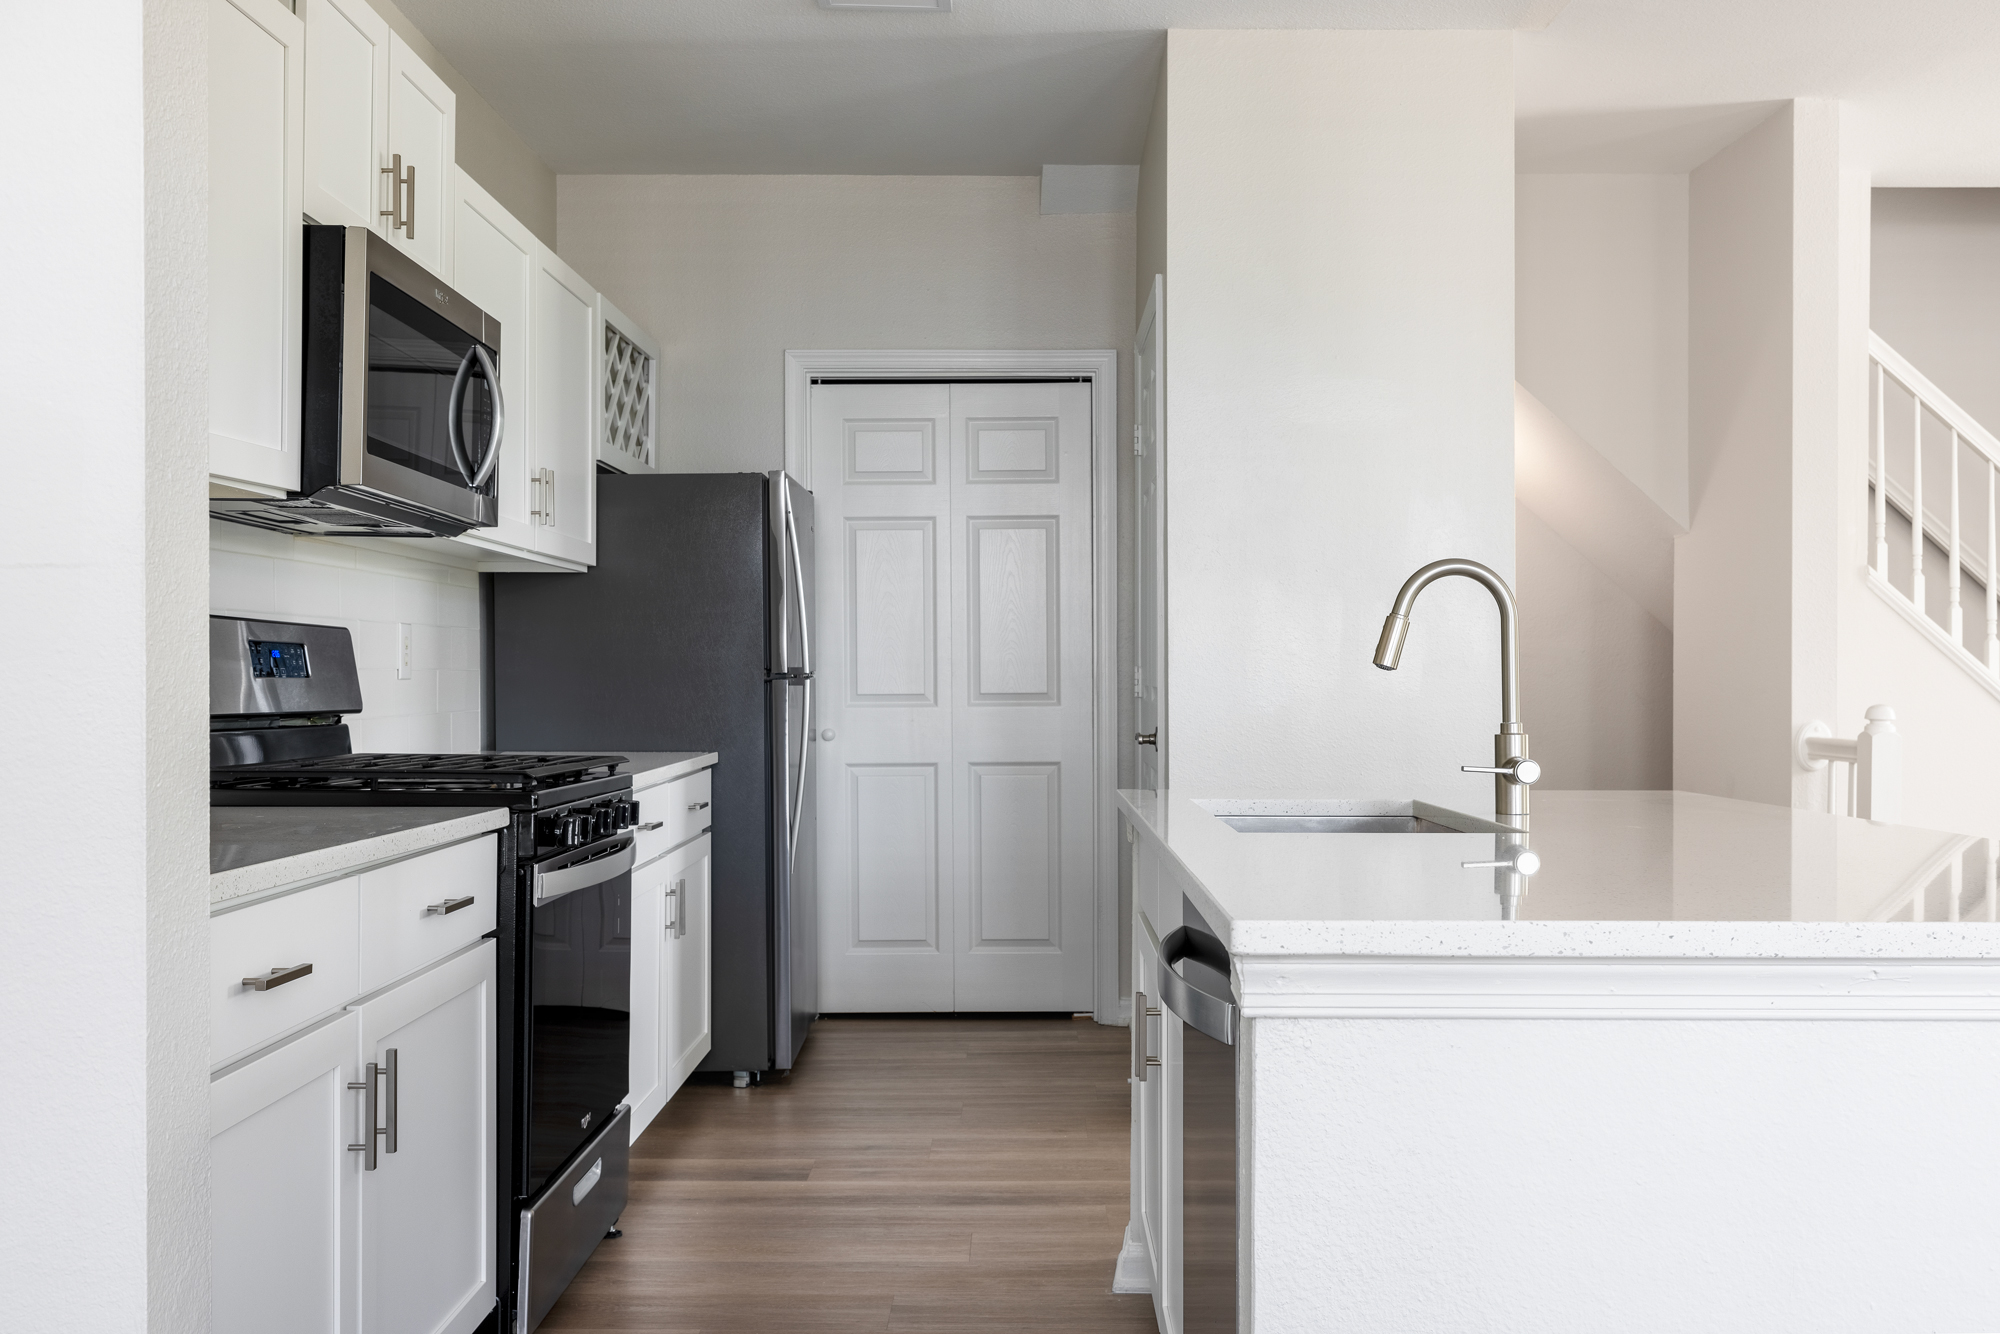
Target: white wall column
x,y
1338,233
103,571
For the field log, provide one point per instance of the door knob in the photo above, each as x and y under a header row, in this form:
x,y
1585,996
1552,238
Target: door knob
x,y
1151,738
826,734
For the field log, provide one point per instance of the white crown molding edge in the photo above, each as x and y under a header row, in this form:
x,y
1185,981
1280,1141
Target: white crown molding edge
x,y
1291,988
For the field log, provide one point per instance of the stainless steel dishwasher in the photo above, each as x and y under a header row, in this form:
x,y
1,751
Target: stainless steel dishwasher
x,y
1195,984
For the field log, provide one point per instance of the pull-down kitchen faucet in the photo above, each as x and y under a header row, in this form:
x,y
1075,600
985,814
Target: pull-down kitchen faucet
x,y
1512,770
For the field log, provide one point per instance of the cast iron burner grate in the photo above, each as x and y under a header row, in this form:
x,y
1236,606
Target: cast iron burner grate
x,y
503,771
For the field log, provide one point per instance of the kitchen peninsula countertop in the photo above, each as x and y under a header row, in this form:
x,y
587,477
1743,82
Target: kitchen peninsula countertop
x,y
1623,875
256,848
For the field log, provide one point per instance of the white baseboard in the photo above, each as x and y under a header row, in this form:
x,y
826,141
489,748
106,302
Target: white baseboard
x,y
1133,1273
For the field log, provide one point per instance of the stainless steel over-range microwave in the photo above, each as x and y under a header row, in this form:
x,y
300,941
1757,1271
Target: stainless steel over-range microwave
x,y
403,414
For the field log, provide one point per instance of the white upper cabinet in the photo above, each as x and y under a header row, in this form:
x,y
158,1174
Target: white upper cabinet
x,y
421,151
563,316
493,266
628,374
347,111
256,174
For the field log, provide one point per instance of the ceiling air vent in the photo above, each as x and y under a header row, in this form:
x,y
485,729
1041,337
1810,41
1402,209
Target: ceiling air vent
x,y
917,6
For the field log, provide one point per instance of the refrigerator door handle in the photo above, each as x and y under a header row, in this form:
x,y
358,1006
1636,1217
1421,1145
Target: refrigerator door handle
x,y
798,801
799,584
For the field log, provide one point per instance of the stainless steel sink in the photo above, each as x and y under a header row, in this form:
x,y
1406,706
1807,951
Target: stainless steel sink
x,y
1333,816
1335,824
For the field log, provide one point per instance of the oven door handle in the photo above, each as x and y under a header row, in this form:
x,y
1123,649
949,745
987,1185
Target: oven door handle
x,y
590,865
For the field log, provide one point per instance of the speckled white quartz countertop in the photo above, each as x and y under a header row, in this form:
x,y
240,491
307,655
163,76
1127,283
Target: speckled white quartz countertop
x,y
650,768
252,849
1631,875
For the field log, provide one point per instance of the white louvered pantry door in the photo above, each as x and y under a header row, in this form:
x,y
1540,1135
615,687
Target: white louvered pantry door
x,y
954,675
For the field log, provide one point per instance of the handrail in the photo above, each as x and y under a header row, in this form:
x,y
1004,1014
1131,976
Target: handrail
x,y
1928,528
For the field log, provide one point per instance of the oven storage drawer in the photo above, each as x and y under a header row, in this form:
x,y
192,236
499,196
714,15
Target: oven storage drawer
x,y
425,907
681,809
272,942
562,1227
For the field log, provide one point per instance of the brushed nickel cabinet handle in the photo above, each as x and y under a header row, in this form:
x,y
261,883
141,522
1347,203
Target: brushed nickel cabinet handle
x,y
410,208
448,906
278,976
371,1104
394,213
389,1078
699,806
1141,1055
674,893
656,824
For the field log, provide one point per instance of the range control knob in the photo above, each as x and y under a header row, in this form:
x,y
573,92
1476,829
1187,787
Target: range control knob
x,y
576,830
628,814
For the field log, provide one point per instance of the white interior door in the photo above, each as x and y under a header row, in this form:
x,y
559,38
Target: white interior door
x,y
955,611
1149,682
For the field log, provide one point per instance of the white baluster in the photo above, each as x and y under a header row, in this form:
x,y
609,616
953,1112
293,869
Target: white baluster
x,y
1917,501
1881,547
1992,574
1957,617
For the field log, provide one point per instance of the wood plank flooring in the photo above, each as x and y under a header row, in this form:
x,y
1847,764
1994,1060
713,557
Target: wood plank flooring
x,y
910,1175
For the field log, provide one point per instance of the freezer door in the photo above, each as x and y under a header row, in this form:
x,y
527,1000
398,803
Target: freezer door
x,y
790,537
794,910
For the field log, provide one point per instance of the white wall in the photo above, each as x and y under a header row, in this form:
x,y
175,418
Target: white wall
x,y
1596,669
370,591
1601,322
1601,340
1339,214
103,391
1934,289
730,271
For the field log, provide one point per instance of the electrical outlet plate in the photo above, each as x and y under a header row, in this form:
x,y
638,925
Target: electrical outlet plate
x,y
404,654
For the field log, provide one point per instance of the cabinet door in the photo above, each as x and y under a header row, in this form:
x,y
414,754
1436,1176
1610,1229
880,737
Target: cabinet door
x,y
652,955
689,1022
282,1187
255,242
560,360
427,1210
423,133
347,111
493,266
1147,1108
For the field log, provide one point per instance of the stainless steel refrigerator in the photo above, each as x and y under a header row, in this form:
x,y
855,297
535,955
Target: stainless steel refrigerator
x,y
694,631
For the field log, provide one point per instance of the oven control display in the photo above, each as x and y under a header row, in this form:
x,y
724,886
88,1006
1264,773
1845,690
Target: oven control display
x,y
270,657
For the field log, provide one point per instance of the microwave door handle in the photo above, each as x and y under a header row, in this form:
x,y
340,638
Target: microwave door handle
x,y
454,406
492,459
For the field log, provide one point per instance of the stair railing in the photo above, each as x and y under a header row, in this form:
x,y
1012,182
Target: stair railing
x,y
1874,761
1952,513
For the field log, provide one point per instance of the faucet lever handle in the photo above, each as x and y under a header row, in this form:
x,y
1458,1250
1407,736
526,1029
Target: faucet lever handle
x,y
1523,771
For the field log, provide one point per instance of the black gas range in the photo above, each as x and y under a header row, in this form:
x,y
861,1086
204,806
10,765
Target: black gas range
x,y
564,924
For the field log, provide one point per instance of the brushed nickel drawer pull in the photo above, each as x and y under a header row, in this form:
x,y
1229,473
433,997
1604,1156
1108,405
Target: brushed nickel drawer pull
x,y
449,906
649,828
699,806
278,976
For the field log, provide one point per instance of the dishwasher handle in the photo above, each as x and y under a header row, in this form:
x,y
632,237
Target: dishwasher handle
x,y
1203,1003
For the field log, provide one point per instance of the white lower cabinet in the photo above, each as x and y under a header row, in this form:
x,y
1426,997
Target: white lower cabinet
x,y
427,1234
1156,1156
283,1187
353,1162
671,982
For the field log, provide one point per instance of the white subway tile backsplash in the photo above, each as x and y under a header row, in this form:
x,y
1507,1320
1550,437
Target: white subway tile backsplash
x,y
369,590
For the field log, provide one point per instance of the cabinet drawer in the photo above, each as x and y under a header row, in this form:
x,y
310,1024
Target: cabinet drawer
x,y
680,808
408,912
316,926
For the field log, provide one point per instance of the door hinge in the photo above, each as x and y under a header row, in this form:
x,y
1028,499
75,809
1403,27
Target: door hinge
x,y
1138,683
1138,440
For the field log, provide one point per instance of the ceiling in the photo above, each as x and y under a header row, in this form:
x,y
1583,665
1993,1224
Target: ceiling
x,y
1000,87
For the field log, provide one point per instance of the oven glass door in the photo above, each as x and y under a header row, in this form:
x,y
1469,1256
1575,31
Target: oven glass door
x,y
431,405
580,1020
